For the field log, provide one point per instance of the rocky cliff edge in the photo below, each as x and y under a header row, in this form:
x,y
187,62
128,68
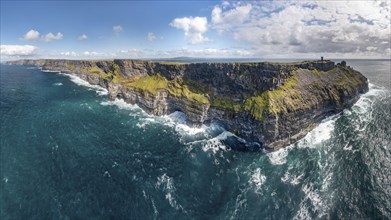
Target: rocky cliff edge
x,y
274,104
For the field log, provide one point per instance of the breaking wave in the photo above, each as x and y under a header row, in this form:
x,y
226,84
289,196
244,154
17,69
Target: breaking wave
x,y
81,82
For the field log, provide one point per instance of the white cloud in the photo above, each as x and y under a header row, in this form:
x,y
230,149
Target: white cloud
x,y
194,28
131,53
225,4
205,53
31,35
209,52
92,53
151,37
302,27
82,37
51,37
117,29
69,54
17,50
230,18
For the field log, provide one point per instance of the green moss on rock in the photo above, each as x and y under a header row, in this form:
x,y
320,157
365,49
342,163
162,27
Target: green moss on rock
x,y
257,105
176,88
227,104
150,83
93,70
187,89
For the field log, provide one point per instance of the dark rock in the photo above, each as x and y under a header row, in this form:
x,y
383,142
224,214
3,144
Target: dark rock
x,y
274,104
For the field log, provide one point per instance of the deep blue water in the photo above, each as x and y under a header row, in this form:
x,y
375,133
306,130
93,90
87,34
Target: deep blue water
x,y
69,153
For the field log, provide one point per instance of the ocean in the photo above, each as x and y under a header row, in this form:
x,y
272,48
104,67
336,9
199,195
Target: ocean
x,y
67,152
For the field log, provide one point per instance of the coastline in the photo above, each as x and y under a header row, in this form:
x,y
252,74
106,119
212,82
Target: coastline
x,y
238,123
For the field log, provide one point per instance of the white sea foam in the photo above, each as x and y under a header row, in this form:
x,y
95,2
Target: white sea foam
x,y
166,183
121,104
102,92
316,203
279,157
292,179
178,121
257,179
302,213
57,84
240,204
106,174
81,82
50,71
364,104
197,135
214,145
363,108
321,133
142,124
154,209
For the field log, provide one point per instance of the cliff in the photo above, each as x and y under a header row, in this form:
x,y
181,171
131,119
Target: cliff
x,y
274,104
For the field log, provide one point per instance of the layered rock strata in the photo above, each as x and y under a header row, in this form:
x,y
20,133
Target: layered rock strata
x,y
274,104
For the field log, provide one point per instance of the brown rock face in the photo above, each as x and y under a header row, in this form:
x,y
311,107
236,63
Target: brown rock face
x,y
274,104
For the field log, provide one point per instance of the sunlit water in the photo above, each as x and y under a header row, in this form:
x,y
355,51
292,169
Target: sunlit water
x,y
67,152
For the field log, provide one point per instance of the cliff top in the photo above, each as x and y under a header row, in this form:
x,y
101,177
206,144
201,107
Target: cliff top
x,y
179,62
267,101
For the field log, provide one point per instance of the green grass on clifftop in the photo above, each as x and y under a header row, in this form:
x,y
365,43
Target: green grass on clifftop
x,y
150,83
176,88
226,104
304,89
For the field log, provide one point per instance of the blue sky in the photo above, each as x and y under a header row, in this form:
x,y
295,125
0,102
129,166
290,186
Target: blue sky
x,y
156,29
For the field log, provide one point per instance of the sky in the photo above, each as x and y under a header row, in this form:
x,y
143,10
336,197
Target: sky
x,y
203,29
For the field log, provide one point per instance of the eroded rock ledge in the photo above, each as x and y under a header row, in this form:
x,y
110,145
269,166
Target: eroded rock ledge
x,y
274,104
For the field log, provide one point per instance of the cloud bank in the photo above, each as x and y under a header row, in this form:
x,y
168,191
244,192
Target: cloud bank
x,y
17,50
322,27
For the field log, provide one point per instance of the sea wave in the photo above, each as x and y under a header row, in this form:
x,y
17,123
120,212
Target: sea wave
x,y
210,138
320,134
278,157
257,179
311,201
178,121
363,109
317,198
49,71
166,184
100,91
291,178
121,104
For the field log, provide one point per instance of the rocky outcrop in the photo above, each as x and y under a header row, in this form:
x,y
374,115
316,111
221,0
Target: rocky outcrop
x,y
274,104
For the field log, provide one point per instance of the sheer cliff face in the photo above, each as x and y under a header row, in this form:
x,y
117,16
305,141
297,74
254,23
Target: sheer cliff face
x,y
270,103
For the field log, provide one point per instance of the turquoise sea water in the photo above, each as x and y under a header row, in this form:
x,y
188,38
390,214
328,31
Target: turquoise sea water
x,y
67,152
